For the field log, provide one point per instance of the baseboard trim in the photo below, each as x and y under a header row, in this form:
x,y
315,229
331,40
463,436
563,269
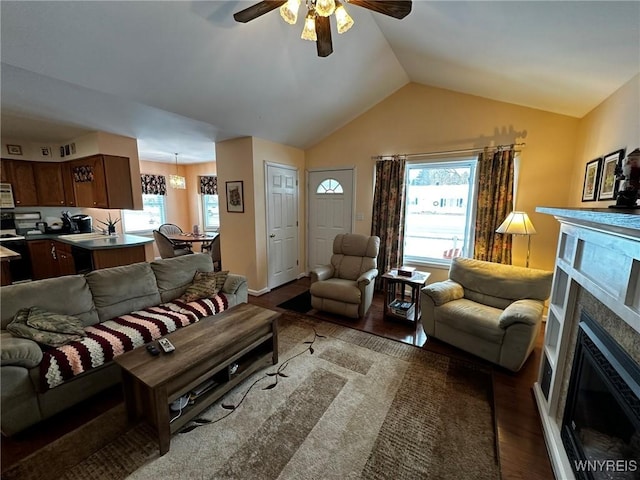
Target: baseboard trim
x,y
257,293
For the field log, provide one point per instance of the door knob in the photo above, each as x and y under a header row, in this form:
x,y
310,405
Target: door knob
x,y
273,235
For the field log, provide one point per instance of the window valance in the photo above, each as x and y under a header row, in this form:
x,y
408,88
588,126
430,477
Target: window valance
x,y
209,185
153,184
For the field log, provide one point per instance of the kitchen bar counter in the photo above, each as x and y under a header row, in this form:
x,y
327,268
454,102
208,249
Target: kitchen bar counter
x,y
93,241
6,254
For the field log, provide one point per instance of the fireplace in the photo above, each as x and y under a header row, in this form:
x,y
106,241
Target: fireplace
x,y
601,421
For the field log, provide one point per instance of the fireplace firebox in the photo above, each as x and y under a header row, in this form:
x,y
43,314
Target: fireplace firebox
x,y
601,422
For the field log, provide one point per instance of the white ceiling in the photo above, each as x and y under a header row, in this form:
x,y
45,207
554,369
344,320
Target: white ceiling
x,y
179,76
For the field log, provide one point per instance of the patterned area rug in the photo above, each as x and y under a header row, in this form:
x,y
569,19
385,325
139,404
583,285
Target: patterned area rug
x,y
351,405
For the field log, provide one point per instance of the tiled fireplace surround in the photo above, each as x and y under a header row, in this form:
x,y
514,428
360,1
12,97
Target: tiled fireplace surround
x,y
598,271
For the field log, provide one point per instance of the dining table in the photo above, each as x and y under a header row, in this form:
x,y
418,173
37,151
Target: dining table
x,y
191,238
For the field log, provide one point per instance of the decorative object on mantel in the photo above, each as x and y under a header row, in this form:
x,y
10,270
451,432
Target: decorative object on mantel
x,y
629,175
110,224
316,24
608,184
591,175
518,223
177,181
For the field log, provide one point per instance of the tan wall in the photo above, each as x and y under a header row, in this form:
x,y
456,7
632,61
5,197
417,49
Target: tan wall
x,y
418,119
234,159
613,125
194,199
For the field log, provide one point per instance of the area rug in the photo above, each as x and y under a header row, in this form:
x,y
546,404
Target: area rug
x,y
347,404
300,303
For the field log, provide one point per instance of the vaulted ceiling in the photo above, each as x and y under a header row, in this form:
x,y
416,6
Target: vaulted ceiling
x,y
179,76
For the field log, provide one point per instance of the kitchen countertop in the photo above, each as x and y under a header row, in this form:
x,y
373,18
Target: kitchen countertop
x,y
7,255
98,242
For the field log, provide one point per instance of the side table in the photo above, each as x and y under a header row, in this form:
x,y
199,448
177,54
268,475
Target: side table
x,y
398,305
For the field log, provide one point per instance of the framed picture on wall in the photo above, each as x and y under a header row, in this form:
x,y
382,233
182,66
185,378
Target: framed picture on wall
x,y
608,185
235,196
591,176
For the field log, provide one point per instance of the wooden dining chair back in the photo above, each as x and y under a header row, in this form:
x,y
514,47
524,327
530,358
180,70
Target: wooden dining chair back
x,y
216,255
169,228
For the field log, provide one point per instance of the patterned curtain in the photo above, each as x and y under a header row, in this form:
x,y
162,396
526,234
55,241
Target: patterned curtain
x,y
495,202
209,185
388,213
153,184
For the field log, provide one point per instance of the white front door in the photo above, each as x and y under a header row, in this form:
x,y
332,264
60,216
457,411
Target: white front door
x,y
282,224
330,212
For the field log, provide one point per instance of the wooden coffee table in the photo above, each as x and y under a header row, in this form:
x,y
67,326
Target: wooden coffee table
x,y
246,335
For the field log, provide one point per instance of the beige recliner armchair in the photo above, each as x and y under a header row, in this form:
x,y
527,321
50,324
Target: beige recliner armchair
x,y
491,310
346,286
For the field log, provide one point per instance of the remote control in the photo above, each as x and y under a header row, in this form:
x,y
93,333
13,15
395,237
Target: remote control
x,y
166,345
151,348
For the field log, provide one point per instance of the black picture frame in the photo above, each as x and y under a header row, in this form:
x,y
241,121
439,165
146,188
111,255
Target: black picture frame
x,y
235,196
591,178
608,184
14,149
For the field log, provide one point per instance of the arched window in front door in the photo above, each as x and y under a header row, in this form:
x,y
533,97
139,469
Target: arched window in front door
x,y
329,185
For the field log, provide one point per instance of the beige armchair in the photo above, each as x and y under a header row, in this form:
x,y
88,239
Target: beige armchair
x,y
346,286
491,310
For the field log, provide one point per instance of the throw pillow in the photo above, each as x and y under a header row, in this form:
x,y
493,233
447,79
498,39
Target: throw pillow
x,y
54,322
20,327
204,285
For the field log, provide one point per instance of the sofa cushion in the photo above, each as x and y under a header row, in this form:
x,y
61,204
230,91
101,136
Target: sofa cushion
x,y
120,290
69,295
346,291
46,328
19,352
174,275
476,319
498,285
205,284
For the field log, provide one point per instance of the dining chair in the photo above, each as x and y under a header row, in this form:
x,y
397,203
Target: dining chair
x,y
216,255
172,229
167,248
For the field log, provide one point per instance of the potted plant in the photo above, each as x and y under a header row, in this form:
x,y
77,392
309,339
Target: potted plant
x,y
110,224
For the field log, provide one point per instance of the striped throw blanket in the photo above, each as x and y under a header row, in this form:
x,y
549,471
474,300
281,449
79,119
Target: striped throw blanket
x,y
107,340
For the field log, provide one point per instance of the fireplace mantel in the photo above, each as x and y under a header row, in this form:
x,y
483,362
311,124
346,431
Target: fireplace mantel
x,y
599,253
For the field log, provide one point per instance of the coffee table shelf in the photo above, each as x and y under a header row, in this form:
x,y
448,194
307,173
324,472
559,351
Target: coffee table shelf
x,y
245,334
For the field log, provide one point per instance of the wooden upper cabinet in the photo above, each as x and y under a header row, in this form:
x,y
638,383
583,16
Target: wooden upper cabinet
x,y
20,174
49,184
102,181
67,180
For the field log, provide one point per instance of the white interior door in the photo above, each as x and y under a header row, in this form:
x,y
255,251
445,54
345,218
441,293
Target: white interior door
x,y
330,212
282,224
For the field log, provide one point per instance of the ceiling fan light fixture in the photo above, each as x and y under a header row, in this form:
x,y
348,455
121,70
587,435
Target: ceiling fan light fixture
x,y
324,8
309,30
343,19
289,11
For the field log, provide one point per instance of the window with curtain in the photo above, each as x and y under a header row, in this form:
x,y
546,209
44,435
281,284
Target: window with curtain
x,y
210,203
153,213
440,210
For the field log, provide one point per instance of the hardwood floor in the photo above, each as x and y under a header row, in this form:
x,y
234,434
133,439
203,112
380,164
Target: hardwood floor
x,y
521,447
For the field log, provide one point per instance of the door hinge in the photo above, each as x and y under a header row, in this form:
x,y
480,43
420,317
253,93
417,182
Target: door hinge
x,y
297,263
296,223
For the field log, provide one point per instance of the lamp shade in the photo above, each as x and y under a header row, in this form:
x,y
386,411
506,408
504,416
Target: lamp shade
x,y
517,223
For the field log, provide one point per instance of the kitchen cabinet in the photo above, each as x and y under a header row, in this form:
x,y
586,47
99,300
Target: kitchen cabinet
x,y
67,180
66,265
49,184
102,181
20,174
44,259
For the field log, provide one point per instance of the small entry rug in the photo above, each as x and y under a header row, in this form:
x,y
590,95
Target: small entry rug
x,y
347,405
300,303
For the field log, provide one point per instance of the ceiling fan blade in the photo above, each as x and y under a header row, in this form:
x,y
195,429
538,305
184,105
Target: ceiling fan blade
x,y
254,11
323,32
393,8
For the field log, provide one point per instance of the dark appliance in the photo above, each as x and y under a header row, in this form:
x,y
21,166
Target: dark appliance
x,y
84,223
21,268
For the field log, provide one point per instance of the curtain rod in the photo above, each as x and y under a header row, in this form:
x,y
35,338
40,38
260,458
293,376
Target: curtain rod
x,y
443,152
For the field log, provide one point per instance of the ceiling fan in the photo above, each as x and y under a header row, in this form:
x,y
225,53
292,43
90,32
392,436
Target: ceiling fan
x,y
317,26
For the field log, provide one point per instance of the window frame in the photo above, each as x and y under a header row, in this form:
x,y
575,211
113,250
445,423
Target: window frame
x,y
203,203
469,235
163,215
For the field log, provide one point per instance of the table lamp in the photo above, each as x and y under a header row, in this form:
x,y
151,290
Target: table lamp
x,y
518,223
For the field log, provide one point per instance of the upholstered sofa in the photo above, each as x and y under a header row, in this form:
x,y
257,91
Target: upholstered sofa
x,y
346,285
95,299
488,309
